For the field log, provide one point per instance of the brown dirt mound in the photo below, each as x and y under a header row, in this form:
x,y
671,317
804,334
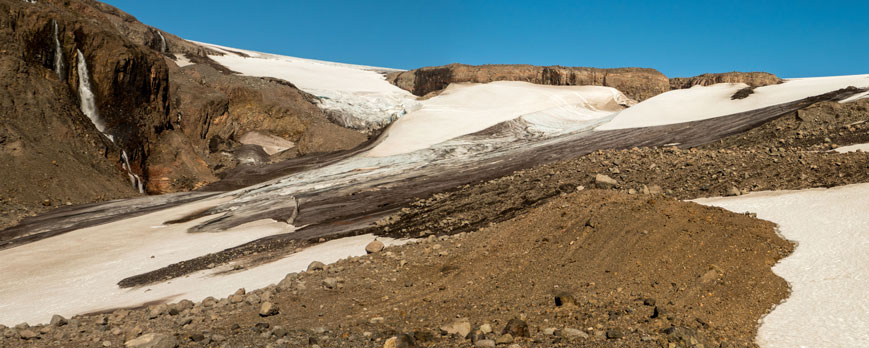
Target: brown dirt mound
x,y
612,259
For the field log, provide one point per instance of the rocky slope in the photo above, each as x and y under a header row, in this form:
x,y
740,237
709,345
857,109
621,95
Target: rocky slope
x,y
150,108
637,83
788,153
588,269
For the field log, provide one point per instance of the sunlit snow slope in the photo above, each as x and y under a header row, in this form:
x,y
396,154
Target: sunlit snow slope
x,y
468,107
700,103
357,96
829,270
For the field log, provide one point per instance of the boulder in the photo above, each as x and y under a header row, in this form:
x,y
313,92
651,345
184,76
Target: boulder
x,y
604,182
316,266
152,340
374,247
268,309
459,327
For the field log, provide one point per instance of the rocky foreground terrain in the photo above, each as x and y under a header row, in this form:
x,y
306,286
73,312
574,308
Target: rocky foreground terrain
x,y
584,269
596,251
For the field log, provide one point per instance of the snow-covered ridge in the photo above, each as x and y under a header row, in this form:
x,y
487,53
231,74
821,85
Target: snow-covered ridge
x,y
355,96
700,103
464,108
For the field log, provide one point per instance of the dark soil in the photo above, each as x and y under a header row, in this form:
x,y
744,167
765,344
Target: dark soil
x,y
613,261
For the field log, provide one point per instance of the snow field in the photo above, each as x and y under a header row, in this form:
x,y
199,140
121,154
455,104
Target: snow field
x,y
700,103
829,270
464,108
77,272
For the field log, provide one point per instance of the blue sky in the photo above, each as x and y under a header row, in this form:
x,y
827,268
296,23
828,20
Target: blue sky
x,y
679,38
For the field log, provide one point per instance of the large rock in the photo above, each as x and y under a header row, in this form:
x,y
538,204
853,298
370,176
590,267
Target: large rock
x,y
460,327
374,247
604,182
517,328
152,340
268,309
637,83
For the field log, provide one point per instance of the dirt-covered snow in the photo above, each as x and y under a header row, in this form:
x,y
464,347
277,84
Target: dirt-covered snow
x,y
78,272
828,271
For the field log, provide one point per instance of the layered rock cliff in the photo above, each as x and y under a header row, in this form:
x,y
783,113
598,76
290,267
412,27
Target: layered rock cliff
x,y
637,83
752,79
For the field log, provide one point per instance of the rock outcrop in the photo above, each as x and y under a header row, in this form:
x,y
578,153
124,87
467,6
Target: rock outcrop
x,y
752,79
175,125
637,83
213,110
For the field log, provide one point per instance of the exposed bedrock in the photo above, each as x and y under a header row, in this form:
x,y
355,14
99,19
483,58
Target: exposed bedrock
x,y
752,79
637,83
178,126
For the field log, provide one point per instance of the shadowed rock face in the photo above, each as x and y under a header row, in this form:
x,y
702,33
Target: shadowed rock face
x,y
162,116
637,83
752,79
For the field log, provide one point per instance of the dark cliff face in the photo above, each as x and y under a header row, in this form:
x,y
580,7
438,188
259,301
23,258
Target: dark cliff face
x,y
637,83
50,153
130,83
164,117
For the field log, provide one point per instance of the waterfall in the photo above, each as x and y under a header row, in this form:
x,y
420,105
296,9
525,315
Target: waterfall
x,y
88,104
135,180
163,47
89,108
58,52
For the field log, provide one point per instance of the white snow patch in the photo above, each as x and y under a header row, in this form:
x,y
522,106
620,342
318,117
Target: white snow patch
x,y
856,97
271,144
700,103
182,60
853,148
360,93
828,271
77,272
464,108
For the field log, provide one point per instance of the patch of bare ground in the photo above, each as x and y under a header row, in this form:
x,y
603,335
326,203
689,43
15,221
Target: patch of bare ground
x,y
600,267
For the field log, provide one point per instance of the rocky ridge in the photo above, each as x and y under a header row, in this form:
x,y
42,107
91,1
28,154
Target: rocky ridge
x,y
636,83
752,79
